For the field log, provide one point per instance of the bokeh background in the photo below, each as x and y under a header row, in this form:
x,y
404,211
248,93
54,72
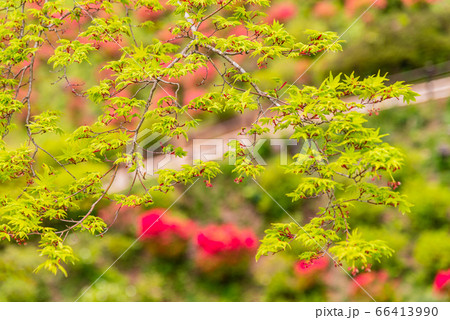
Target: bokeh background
x,y
203,248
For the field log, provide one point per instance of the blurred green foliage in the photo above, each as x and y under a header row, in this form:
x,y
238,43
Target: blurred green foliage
x,y
396,39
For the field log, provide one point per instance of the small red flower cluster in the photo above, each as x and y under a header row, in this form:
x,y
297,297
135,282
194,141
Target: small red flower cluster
x,y
224,249
442,281
394,184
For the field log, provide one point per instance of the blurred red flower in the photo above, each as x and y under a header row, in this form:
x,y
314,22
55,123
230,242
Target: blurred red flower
x,y
324,9
310,274
304,268
282,12
366,279
441,280
352,6
224,249
191,94
380,286
237,31
155,223
162,92
165,235
145,13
